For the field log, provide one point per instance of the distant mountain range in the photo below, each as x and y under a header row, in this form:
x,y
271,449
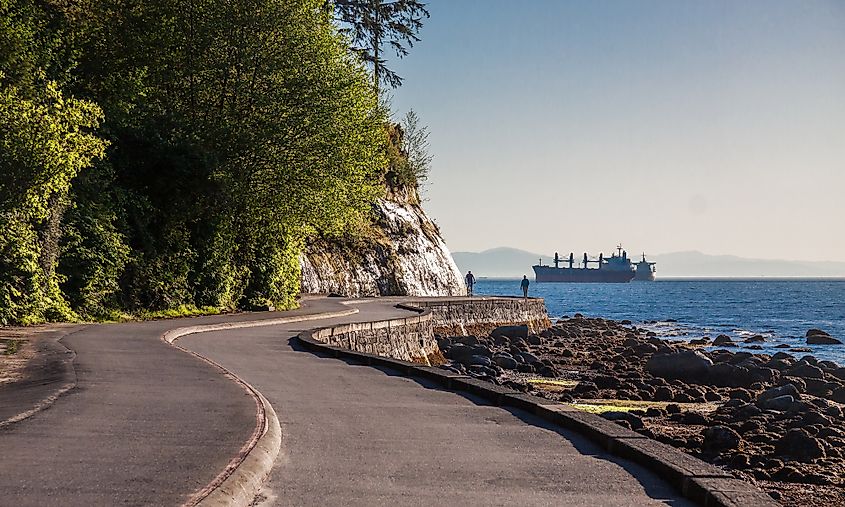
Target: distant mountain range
x,y
511,262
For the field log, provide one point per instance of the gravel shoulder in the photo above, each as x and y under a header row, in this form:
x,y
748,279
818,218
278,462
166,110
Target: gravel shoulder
x,y
34,368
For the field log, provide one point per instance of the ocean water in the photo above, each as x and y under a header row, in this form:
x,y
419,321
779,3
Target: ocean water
x,y
780,310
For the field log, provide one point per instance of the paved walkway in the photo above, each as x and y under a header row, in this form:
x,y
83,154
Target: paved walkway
x,y
355,435
147,424
150,425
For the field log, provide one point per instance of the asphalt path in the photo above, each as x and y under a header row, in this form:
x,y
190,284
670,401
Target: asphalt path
x,y
357,435
146,424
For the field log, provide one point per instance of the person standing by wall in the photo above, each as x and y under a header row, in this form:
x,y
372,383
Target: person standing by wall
x,y
525,283
470,282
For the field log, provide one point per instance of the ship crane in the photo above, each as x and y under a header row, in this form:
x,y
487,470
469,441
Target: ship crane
x,y
587,261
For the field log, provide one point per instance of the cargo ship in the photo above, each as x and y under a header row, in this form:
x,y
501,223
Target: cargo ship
x,y
614,269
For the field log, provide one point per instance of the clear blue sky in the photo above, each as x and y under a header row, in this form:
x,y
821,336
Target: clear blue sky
x,y
665,125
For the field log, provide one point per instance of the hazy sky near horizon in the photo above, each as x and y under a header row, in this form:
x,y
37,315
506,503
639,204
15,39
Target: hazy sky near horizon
x,y
665,125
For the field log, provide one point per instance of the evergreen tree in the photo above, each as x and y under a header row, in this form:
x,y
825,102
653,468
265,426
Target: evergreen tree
x,y
373,24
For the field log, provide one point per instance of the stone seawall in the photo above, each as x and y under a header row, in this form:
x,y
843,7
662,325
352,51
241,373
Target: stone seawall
x,y
412,338
409,338
480,315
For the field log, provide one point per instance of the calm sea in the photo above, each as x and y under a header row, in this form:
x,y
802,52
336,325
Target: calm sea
x,y
780,310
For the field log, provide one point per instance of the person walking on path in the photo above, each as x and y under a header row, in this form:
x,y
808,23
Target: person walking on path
x,y
470,282
525,283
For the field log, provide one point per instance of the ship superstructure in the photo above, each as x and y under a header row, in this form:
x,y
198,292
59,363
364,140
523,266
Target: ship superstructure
x,y
644,271
614,269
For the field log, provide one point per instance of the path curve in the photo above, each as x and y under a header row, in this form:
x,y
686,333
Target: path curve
x,y
356,435
146,423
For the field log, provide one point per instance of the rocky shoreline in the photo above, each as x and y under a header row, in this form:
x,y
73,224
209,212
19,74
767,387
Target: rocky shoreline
x,y
775,420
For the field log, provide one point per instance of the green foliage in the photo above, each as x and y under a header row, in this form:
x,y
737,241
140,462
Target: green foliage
x,y
93,251
20,278
415,146
44,144
408,155
213,140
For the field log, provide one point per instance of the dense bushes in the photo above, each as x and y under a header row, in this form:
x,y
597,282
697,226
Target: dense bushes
x,y
165,154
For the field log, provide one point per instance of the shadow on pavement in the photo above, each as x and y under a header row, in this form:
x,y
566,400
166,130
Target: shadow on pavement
x,y
653,486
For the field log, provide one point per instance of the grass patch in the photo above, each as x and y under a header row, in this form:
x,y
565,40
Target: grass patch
x,y
552,385
179,311
9,347
601,406
170,313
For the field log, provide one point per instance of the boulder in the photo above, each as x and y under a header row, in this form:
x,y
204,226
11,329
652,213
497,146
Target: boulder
x,y
529,358
816,332
511,332
728,375
694,418
548,371
805,370
459,352
477,360
685,365
466,340
818,387
740,394
606,382
822,339
776,392
505,361
533,340
799,444
781,403
664,393
723,341
718,439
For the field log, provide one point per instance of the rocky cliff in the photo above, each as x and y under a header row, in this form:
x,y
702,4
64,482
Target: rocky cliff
x,y
402,254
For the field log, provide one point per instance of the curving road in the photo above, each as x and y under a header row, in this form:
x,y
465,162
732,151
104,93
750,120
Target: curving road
x,y
356,435
146,424
149,424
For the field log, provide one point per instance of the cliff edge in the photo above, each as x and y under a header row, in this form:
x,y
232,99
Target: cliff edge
x,y
402,255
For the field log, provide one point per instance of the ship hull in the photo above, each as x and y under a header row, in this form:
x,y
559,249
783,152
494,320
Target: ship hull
x,y
580,275
644,277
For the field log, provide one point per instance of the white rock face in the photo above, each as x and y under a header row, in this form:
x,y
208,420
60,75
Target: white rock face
x,y
410,260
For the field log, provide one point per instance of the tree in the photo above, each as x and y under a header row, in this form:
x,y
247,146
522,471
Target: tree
x,y
239,129
415,145
372,24
44,143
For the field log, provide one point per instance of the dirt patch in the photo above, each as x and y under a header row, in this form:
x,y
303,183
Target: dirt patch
x,y
34,366
15,352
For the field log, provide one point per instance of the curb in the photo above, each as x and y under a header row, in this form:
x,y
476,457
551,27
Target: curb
x,y
240,482
698,481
